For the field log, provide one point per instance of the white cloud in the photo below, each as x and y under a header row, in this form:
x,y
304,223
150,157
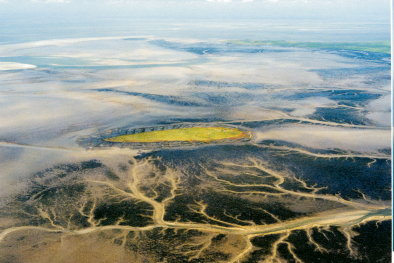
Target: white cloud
x,y
220,1
50,1
228,1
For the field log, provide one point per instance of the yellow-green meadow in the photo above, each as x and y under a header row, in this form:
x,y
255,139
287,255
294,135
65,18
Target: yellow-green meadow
x,y
194,134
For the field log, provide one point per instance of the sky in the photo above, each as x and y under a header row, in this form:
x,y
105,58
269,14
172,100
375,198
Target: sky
x,y
337,20
334,10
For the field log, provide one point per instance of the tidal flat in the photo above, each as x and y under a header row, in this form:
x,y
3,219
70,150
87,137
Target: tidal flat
x,y
312,183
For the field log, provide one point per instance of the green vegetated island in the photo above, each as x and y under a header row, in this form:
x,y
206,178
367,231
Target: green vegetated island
x,y
375,46
194,134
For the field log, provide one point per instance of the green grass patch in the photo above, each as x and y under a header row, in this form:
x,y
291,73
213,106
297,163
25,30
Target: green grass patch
x,y
376,46
195,134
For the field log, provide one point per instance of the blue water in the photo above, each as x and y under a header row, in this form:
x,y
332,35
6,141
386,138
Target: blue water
x,y
17,30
